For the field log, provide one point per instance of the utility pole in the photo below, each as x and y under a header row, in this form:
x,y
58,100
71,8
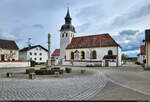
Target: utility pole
x,y
49,57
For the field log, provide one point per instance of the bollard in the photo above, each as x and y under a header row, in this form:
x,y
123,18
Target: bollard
x,y
32,75
82,71
56,74
9,74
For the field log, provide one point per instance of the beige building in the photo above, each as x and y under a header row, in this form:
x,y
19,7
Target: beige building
x,y
9,50
147,43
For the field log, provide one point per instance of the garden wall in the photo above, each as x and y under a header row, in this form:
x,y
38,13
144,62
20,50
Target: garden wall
x,y
9,64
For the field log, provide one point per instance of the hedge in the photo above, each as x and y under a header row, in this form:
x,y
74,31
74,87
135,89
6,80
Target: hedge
x,y
45,71
68,70
30,70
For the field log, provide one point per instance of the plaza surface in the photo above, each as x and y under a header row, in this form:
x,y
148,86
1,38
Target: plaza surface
x,y
129,82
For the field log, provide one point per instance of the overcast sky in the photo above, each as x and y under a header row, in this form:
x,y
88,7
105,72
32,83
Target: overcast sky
x,y
124,20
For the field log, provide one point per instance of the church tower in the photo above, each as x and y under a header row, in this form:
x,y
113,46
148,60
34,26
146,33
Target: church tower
x,y
67,32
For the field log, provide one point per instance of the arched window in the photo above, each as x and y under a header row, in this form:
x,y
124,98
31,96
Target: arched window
x,y
82,55
63,35
72,55
93,55
110,52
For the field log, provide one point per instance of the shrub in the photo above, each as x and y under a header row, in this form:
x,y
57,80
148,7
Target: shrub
x,y
68,70
38,72
30,70
61,71
43,68
95,65
55,69
33,63
42,72
137,63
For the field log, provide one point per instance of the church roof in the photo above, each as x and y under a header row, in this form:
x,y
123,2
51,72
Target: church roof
x,y
56,52
91,41
68,26
8,44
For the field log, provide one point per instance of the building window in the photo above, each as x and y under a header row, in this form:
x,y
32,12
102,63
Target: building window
x,y
72,55
40,58
82,55
93,55
63,35
110,52
34,58
13,59
66,34
36,48
35,53
30,53
40,49
40,54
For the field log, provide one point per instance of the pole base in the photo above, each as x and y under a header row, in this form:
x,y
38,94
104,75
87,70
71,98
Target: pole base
x,y
147,68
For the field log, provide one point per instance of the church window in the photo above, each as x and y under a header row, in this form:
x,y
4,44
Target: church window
x,y
82,55
72,55
63,35
110,52
93,55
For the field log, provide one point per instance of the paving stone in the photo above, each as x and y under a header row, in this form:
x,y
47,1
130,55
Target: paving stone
x,y
74,88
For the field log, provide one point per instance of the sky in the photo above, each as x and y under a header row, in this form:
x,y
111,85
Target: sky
x,y
124,20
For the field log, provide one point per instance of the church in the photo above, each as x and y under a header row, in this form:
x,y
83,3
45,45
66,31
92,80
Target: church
x,y
90,50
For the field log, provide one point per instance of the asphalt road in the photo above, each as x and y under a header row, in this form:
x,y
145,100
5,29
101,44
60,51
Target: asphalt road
x,y
129,82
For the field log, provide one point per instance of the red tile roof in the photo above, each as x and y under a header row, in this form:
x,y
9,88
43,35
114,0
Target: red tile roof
x,y
8,44
142,50
56,52
91,41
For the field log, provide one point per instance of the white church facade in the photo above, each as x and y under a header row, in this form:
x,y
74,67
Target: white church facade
x,y
91,50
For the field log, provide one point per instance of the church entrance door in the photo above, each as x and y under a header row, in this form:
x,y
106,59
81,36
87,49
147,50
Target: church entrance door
x,y
106,63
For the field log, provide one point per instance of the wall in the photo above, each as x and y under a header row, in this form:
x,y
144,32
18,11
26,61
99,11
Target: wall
x,y
148,54
8,64
112,64
64,41
23,55
37,50
7,52
101,51
81,63
141,58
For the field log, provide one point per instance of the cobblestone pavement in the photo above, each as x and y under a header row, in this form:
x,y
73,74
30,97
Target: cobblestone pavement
x,y
73,88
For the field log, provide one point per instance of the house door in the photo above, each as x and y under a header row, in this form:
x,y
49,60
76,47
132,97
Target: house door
x,y
106,63
2,58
